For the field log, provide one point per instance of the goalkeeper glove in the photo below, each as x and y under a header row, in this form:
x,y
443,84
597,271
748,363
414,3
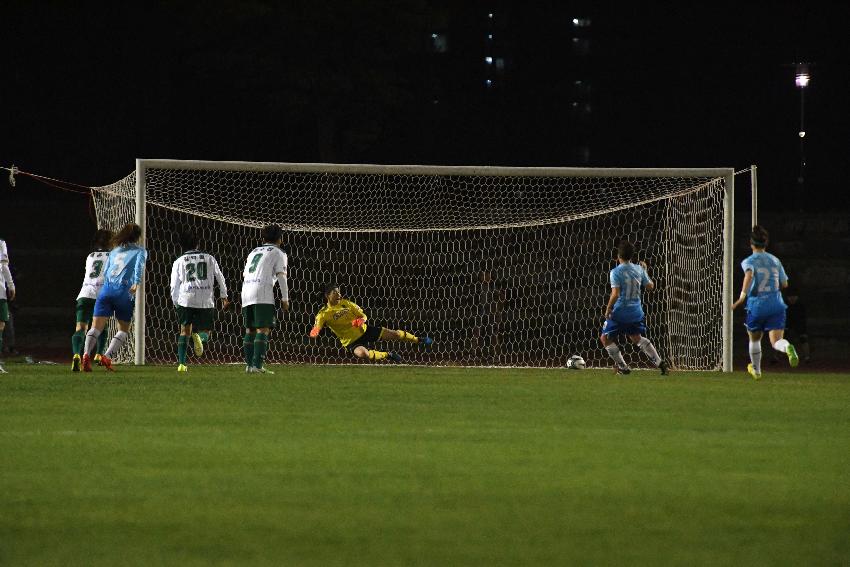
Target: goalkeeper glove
x,y
314,332
358,322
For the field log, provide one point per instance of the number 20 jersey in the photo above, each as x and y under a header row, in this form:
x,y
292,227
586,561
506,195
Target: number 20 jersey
x,y
93,276
258,278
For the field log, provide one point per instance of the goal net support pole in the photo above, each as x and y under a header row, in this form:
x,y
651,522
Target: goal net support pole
x,y
520,238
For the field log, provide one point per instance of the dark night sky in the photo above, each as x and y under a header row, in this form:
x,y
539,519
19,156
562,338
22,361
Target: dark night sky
x,y
88,88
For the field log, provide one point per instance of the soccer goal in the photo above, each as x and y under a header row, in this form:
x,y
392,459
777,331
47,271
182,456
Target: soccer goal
x,y
502,266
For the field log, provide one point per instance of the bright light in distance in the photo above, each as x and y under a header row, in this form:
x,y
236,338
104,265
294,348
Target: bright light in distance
x,y
489,36
490,15
802,133
433,36
489,83
802,80
575,21
488,60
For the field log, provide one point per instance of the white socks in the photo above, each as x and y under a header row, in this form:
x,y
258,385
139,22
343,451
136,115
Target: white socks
x,y
755,356
781,345
91,340
614,353
117,342
649,350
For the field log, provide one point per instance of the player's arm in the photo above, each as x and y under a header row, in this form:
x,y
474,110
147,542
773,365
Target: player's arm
x,y
280,275
615,295
138,270
359,317
647,283
7,277
317,326
222,284
748,280
783,277
175,282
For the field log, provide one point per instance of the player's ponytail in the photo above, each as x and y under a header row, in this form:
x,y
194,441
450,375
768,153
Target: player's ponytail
x,y
127,235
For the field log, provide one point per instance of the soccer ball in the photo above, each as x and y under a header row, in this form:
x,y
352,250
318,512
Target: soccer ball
x,y
576,363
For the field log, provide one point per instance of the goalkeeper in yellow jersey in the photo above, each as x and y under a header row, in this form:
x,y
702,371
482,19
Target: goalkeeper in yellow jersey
x,y
348,323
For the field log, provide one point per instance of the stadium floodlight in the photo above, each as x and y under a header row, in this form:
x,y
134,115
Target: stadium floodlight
x,y
802,77
503,266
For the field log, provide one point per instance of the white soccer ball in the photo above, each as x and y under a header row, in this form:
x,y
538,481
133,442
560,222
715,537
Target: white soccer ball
x,y
576,363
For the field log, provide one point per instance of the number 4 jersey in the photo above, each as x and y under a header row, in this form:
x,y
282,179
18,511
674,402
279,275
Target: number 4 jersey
x,y
261,269
192,277
93,276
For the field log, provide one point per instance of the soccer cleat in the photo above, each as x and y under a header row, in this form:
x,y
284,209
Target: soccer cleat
x,y
752,372
75,363
262,370
86,363
97,359
198,344
182,368
106,362
427,341
793,359
249,369
665,368
2,370
624,371
394,356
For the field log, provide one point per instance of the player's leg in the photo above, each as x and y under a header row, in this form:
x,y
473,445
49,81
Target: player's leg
x,y
183,339
4,316
754,368
648,349
264,321
362,351
780,344
101,342
261,346
404,336
775,326
118,341
609,330
202,320
78,339
248,338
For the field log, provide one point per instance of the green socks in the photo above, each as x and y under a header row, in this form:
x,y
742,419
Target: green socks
x,y
77,341
248,349
101,340
261,345
181,349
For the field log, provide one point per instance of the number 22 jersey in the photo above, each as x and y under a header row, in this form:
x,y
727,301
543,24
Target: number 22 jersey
x,y
764,296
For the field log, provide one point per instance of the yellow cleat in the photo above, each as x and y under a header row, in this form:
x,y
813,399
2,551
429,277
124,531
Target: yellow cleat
x,y
182,368
198,344
793,359
75,363
97,359
753,373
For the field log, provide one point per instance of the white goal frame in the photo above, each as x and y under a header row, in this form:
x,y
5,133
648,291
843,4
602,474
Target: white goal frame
x,y
727,173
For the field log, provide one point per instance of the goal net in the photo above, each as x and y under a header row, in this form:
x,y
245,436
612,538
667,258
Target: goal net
x,y
501,266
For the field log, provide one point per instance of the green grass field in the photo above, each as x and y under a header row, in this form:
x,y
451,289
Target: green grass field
x,y
421,466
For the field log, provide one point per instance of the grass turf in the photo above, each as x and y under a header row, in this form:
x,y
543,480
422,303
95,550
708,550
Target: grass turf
x,y
412,466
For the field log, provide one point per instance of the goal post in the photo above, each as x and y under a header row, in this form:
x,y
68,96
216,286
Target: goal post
x,y
504,266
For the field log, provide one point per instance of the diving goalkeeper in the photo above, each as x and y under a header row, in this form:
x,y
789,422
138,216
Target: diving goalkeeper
x,y
348,323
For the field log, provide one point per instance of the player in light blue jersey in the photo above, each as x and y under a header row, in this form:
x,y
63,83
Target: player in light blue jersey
x,y
122,274
624,312
764,280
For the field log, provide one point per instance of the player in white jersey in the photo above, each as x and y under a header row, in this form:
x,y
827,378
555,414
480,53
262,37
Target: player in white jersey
x,y
266,265
92,282
192,276
7,293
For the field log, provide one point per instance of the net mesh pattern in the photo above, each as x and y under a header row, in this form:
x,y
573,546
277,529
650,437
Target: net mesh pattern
x,y
500,270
